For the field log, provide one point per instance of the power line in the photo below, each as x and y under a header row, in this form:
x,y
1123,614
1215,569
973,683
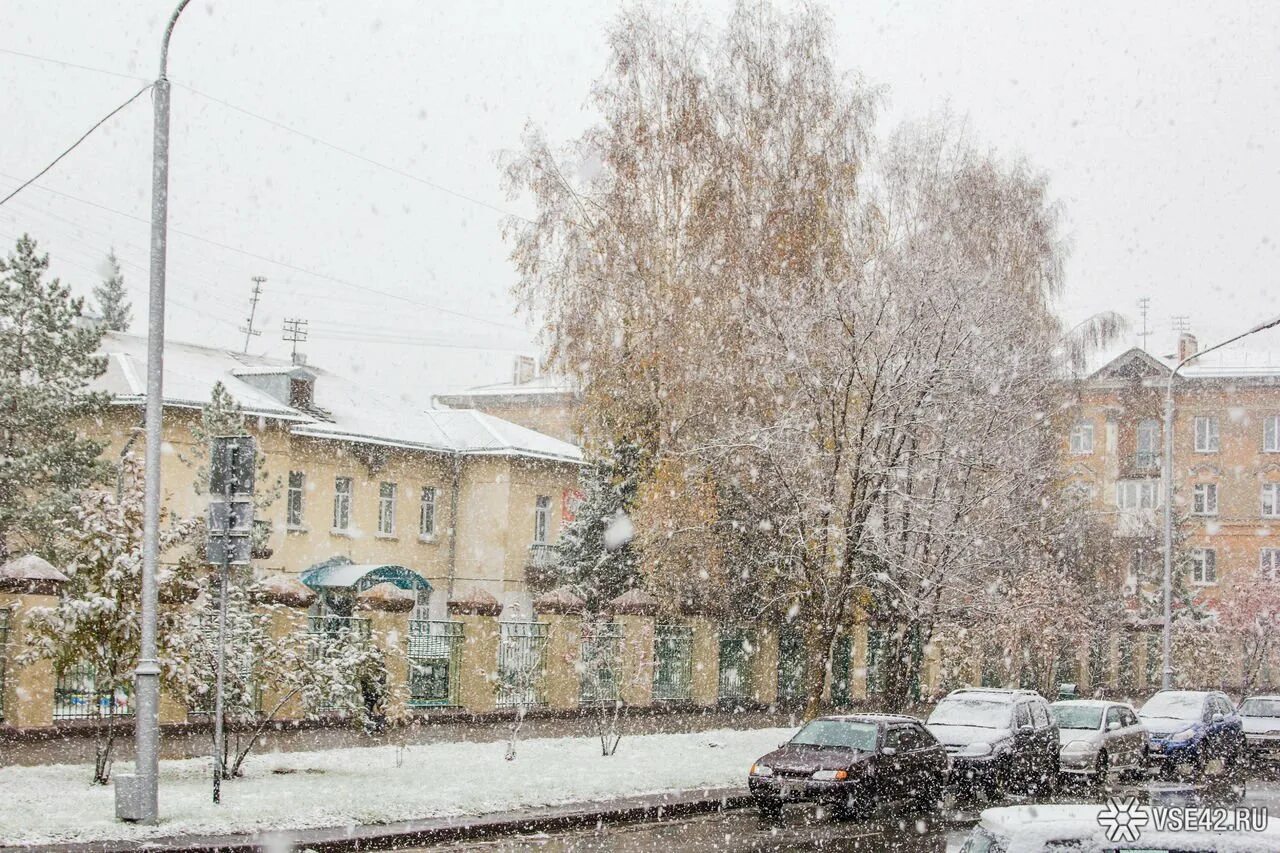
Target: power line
x,y
355,154
55,160
52,61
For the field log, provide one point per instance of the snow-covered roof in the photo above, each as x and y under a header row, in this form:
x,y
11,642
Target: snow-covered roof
x,y
547,388
1228,364
345,410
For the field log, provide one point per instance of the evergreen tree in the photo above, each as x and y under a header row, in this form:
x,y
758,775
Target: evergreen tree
x,y
113,302
46,363
597,559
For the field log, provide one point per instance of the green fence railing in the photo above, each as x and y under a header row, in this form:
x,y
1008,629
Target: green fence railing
x,y
435,658
600,656
737,649
522,659
673,663
77,696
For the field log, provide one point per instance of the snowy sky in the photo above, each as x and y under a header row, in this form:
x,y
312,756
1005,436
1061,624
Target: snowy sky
x,y
1158,123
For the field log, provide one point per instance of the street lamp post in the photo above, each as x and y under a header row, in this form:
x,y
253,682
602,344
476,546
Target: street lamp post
x,y
1166,680
144,807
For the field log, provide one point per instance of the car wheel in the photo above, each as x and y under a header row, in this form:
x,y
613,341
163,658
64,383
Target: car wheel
x,y
770,811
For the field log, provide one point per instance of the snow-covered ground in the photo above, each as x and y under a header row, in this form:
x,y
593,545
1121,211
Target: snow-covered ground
x,y
337,787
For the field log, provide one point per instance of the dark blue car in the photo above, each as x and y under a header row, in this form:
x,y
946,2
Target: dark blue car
x,y
1191,728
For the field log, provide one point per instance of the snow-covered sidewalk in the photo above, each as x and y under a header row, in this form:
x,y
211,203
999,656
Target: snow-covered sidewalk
x,y
297,790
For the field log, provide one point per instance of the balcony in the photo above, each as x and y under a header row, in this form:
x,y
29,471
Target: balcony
x,y
540,566
1146,460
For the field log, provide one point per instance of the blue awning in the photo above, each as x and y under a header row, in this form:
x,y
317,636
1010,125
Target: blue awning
x,y
341,573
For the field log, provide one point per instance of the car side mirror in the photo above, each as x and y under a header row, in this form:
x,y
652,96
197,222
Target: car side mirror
x,y
889,750
1113,725
1217,717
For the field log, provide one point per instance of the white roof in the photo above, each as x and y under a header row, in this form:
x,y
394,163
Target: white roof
x,y
546,384
351,411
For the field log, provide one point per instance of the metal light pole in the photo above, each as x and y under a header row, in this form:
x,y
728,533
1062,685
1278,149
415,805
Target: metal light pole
x,y
1166,680
144,807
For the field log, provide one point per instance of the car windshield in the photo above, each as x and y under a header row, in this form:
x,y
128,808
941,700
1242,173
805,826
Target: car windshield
x,y
1174,706
982,713
1261,708
837,733
1077,716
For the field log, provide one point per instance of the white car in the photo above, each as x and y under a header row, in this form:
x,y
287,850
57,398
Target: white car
x,y
1099,738
1080,829
1261,718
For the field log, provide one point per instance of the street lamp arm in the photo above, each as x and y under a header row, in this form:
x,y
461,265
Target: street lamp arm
x,y
164,43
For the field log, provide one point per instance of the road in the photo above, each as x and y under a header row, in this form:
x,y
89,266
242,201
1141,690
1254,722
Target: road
x,y
802,830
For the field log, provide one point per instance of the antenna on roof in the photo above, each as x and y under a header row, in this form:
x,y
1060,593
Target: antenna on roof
x,y
1144,306
248,330
295,331
1181,323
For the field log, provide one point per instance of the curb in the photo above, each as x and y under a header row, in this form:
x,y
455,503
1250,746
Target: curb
x,y
430,830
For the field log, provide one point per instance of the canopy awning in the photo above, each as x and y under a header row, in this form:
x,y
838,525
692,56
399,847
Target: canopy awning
x,y
341,573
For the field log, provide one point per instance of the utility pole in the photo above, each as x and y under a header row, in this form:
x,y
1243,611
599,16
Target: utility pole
x,y
1144,306
137,795
253,310
295,331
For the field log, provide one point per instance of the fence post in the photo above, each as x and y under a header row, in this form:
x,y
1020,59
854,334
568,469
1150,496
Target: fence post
x,y
562,611
705,653
634,611
764,665
478,612
389,607
26,584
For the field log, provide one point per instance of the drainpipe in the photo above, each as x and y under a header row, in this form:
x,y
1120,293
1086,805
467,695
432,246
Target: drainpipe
x,y
453,525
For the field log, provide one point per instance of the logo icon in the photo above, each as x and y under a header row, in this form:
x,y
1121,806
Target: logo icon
x,y
1123,819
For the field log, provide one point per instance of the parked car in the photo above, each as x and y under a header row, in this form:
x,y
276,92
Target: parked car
x,y
852,764
1098,738
1260,717
1037,828
999,740
1189,729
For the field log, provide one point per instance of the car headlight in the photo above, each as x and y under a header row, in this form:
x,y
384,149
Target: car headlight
x,y
1185,734
830,775
761,770
976,750
1079,747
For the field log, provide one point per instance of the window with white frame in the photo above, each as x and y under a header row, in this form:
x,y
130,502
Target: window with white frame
x,y
541,519
427,513
1269,562
1204,499
1204,566
1137,494
387,509
1082,438
293,499
1148,444
1271,434
1207,440
1271,500
342,503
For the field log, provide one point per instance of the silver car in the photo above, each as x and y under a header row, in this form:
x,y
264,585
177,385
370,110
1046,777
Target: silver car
x,y
1098,738
1261,718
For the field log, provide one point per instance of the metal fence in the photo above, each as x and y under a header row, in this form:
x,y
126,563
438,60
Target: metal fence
x,y
435,657
737,648
673,663
4,654
791,667
601,659
76,696
329,629
522,659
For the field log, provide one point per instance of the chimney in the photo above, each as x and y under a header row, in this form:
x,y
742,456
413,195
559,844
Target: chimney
x,y
1187,346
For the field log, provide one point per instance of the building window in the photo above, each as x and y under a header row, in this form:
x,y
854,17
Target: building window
x,y
1269,562
1137,494
1271,500
541,519
1207,434
387,509
1148,444
1204,566
293,500
1271,434
342,503
1082,438
427,513
1204,499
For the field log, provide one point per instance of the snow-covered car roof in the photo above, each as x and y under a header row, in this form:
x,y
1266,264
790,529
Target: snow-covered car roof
x,y
1093,703
343,410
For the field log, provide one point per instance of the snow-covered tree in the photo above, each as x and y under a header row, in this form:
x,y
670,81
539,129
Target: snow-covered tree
x,y
112,299
47,361
1248,611
96,622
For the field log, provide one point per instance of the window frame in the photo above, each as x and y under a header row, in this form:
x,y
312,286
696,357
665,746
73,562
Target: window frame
x,y
1270,491
293,511
1201,505
1212,437
1204,562
388,493
1269,561
1139,486
1081,438
1146,443
1271,433
343,501
542,520
427,531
